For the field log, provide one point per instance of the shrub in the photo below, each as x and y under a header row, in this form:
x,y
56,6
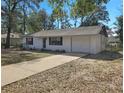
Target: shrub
x,y
62,51
2,45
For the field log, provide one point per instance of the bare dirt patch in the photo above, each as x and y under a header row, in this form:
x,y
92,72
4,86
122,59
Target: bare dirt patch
x,y
106,55
79,76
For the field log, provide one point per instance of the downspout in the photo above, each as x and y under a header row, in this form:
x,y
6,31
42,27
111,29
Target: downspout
x,y
90,45
71,43
101,41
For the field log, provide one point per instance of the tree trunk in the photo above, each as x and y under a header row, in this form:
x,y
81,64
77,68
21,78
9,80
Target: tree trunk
x,y
10,13
58,22
82,21
61,27
24,21
75,23
7,45
121,35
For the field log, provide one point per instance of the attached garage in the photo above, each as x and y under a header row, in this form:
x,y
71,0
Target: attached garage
x,y
83,44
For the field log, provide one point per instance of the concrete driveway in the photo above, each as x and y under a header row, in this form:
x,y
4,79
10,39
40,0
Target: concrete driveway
x,y
15,72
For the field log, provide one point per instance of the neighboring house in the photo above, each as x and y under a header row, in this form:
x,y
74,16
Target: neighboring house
x,y
15,39
90,39
110,32
113,41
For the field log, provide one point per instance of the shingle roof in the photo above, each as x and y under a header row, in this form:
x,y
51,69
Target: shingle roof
x,y
113,39
90,30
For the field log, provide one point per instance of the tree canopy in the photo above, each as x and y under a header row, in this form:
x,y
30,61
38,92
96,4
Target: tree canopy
x,y
24,16
119,25
12,10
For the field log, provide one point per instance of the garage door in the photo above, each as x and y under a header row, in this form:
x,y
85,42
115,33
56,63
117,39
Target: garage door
x,y
81,44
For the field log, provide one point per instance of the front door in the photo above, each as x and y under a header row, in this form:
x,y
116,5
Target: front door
x,y
44,42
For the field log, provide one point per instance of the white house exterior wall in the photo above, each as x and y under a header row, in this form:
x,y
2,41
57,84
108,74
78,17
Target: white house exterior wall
x,y
37,43
98,43
88,44
66,45
93,44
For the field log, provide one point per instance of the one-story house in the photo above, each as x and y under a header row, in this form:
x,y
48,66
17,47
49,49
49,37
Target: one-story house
x,y
15,39
91,39
113,41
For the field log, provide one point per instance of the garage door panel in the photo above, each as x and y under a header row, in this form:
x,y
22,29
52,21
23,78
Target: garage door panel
x,y
80,44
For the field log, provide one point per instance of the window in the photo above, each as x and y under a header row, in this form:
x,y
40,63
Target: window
x,y
12,35
55,40
29,41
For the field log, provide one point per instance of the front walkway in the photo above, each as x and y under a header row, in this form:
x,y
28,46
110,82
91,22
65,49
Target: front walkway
x,y
15,72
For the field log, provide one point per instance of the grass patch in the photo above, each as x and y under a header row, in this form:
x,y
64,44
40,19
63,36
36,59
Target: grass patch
x,y
11,57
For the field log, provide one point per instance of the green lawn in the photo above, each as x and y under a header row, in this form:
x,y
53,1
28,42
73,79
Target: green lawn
x,y
13,56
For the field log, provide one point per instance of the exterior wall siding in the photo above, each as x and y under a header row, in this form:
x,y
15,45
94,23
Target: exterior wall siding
x,y
65,46
37,43
96,44
100,42
93,44
87,44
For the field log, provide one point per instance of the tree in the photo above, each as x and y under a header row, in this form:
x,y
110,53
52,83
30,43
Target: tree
x,y
74,13
65,22
88,9
58,14
119,25
43,18
51,21
33,24
37,21
58,10
10,7
100,14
